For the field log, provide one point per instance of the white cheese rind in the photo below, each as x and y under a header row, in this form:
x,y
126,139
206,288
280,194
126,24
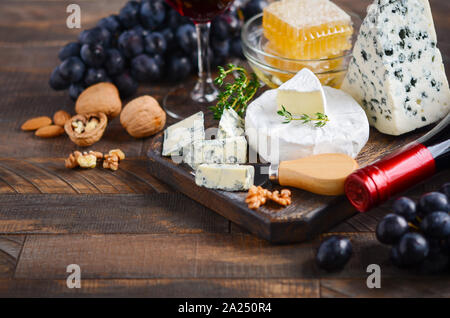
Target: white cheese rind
x,y
230,125
230,150
225,177
302,94
396,72
346,132
180,135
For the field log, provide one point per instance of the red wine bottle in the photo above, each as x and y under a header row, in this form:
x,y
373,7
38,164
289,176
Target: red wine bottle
x,y
375,183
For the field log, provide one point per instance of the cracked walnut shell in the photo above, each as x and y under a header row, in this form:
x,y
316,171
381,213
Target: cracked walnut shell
x,y
86,129
143,117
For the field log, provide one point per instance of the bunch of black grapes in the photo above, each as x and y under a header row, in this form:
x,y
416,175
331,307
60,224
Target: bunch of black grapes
x,y
147,41
419,233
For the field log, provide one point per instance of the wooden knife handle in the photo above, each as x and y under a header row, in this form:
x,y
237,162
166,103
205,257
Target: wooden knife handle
x,y
322,174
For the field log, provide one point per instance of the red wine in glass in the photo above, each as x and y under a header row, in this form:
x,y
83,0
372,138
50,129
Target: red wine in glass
x,y
200,10
186,99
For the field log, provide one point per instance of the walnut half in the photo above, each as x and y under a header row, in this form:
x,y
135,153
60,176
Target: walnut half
x,y
83,160
86,129
112,159
258,196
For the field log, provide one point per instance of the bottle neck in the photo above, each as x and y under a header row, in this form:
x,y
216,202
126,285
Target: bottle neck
x,y
371,185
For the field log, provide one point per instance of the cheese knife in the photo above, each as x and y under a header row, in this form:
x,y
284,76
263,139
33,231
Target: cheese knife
x,y
321,174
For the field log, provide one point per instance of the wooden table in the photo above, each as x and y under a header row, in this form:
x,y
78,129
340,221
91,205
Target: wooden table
x,y
131,234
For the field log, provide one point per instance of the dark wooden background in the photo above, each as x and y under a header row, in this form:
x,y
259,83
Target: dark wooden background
x,y
131,234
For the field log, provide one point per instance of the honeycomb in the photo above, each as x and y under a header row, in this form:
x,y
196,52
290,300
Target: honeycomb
x,y
307,29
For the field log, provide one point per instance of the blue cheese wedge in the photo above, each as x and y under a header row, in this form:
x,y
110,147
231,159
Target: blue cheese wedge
x,y
396,72
230,150
180,135
302,94
225,177
230,125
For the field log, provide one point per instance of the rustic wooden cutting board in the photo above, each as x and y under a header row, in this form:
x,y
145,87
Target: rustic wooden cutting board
x,y
308,215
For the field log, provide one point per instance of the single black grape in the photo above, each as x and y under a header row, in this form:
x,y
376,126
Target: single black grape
x,y
254,7
130,44
129,14
169,36
413,248
405,207
395,258
334,253
173,19
435,263
126,85
152,13
436,225
234,24
391,228
97,35
431,202
93,55
114,63
221,48
140,30
186,38
446,245
111,23
68,50
75,90
179,67
144,68
236,48
159,59
95,75
445,189
56,81
155,43
72,69
220,28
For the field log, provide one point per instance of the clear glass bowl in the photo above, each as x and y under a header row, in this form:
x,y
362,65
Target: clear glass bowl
x,y
275,70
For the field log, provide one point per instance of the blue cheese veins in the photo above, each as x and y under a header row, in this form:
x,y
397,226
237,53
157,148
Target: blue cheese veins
x,y
230,150
396,72
230,125
180,135
225,177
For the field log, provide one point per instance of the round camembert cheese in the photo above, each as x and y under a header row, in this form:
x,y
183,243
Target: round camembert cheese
x,y
346,132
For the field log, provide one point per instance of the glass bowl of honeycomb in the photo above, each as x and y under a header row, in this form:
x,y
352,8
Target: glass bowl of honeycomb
x,y
288,37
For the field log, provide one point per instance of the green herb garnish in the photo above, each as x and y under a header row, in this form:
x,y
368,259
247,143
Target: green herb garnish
x,y
234,95
320,119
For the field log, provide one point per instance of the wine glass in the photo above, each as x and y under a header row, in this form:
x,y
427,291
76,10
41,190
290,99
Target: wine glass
x,y
188,98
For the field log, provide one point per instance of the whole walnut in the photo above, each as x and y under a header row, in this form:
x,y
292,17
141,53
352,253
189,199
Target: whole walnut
x,y
101,97
143,117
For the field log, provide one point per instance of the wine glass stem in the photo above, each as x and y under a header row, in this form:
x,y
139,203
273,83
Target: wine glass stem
x,y
204,90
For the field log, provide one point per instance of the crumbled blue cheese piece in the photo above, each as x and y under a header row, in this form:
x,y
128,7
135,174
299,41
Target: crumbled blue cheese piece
x,y
179,136
396,72
225,177
230,150
230,125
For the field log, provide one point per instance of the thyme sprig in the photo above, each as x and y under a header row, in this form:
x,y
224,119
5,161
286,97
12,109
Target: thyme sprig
x,y
234,95
320,119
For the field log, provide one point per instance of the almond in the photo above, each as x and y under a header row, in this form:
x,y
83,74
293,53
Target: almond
x,y
49,131
36,123
60,117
